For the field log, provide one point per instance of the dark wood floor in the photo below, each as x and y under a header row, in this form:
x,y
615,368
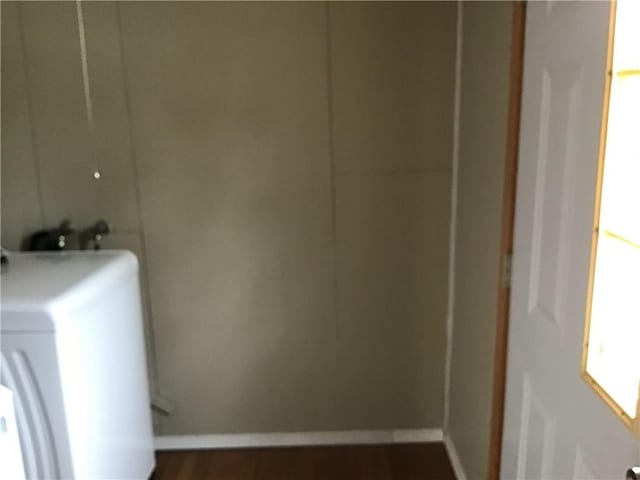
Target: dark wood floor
x,y
373,462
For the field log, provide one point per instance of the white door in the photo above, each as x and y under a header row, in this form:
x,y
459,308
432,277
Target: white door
x,y
555,424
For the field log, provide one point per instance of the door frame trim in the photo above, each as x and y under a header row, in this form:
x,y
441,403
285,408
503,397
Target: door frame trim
x,y
506,241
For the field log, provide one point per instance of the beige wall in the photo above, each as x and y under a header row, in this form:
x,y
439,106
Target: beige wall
x,y
282,170
486,47
392,77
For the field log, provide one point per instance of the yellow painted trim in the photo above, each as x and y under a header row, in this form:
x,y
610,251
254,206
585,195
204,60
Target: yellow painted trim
x,y
617,409
627,73
598,185
636,421
632,423
622,239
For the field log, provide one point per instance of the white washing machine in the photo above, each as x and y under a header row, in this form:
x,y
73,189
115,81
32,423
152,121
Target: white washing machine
x,y
10,454
73,355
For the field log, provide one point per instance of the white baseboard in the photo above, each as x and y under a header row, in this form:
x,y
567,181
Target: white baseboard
x,y
288,439
456,464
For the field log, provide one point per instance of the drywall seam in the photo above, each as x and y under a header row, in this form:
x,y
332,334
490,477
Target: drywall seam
x,y
281,439
332,170
454,207
30,116
454,458
144,269
393,171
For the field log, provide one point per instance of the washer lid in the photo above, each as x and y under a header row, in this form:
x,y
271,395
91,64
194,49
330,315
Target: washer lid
x,y
36,284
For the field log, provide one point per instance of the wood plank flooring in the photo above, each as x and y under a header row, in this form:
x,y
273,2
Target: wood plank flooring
x,y
423,461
